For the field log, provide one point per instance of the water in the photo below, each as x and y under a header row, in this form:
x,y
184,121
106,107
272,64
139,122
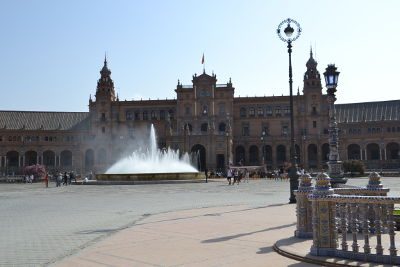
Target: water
x,y
153,160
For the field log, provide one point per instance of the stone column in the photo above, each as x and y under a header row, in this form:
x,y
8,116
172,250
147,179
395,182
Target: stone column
x,y
273,151
323,218
361,153
303,208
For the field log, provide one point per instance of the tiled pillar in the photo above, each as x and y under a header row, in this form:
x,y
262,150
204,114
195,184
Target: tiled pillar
x,y
303,208
323,218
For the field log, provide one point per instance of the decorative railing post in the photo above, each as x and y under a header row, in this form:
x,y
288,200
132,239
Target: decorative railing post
x,y
391,225
303,208
365,228
323,218
343,225
353,213
378,229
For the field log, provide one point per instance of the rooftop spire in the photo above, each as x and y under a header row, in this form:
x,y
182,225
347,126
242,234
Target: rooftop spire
x,y
311,53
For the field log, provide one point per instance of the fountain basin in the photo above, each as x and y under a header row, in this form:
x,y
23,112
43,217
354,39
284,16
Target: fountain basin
x,y
131,177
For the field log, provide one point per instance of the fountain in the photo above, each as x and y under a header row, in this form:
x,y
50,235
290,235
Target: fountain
x,y
151,164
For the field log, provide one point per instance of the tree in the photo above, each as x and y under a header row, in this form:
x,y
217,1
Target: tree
x,y
354,166
35,170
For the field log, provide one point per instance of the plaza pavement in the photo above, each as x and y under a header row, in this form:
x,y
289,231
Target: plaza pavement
x,y
203,224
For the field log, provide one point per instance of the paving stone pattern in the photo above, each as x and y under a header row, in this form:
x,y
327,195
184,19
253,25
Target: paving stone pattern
x,y
40,226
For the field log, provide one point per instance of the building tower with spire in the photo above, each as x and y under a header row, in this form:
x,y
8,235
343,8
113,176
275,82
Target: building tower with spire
x,y
314,117
101,107
105,85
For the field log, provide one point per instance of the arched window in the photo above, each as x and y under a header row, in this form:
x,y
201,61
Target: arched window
x,y
243,112
253,155
222,127
281,154
204,127
240,155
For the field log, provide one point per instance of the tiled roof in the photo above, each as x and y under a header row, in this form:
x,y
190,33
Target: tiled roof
x,y
35,120
368,111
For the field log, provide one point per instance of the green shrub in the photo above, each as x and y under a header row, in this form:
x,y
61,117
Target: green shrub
x,y
354,166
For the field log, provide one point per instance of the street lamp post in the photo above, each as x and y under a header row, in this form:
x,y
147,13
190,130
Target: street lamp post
x,y
289,38
335,166
263,139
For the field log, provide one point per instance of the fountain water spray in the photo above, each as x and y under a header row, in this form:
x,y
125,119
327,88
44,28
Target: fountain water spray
x,y
153,160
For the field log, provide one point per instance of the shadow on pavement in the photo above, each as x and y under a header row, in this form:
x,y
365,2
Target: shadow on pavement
x,y
226,238
88,232
265,250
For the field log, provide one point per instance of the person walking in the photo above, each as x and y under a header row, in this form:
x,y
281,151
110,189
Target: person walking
x,y
58,179
65,180
46,180
236,177
229,176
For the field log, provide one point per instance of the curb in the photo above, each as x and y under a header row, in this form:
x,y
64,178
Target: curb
x,y
94,182
306,259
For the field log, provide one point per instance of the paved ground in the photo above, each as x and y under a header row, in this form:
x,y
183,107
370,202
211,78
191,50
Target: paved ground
x,y
43,226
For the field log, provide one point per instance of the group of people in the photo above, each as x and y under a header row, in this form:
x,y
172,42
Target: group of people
x,y
237,176
29,178
65,178
282,174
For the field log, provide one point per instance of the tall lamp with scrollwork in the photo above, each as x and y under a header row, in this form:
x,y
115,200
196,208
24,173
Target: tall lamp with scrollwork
x,y
290,35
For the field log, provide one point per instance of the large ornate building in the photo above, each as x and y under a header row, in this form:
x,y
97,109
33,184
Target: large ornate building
x,y
205,118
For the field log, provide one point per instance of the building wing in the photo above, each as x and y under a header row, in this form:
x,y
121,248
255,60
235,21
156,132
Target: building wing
x,y
40,120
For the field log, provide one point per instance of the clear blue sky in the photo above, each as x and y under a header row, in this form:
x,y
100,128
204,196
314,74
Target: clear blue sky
x,y
52,51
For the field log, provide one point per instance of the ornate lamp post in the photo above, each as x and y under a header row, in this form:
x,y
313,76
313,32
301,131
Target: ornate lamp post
x,y
263,139
289,38
335,166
